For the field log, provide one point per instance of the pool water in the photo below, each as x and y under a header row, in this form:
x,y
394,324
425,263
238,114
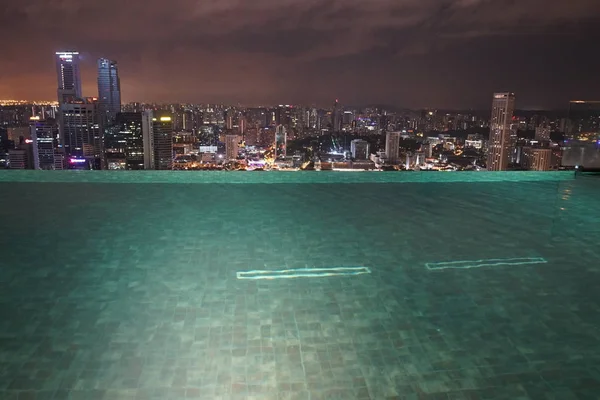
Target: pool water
x,y
131,290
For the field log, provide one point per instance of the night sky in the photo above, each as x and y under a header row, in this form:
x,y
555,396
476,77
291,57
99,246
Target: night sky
x,y
409,53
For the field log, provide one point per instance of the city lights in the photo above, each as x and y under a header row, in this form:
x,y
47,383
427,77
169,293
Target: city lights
x,y
99,132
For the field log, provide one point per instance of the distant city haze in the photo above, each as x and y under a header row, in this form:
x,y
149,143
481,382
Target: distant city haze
x,y
409,53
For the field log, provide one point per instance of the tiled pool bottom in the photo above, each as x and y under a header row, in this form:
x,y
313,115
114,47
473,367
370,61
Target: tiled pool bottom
x,y
130,291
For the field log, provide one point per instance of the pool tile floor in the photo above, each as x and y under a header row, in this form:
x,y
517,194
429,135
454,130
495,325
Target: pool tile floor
x,y
130,292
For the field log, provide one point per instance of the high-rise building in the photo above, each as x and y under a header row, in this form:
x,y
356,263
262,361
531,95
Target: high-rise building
x,y
69,79
162,127
584,120
280,142
503,106
392,147
19,134
537,159
124,142
542,133
109,89
242,125
251,137
359,149
283,115
148,138
208,135
428,120
336,117
43,137
80,130
231,147
347,118
427,149
114,147
257,116
229,120
312,118
190,121
21,157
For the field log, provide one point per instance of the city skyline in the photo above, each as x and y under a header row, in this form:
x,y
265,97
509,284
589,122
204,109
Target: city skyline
x,y
410,53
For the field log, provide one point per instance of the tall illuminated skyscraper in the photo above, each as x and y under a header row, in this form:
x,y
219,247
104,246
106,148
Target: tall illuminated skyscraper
x,y
69,79
503,107
109,89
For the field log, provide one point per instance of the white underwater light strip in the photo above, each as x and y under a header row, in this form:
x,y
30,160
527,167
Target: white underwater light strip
x,y
302,273
490,262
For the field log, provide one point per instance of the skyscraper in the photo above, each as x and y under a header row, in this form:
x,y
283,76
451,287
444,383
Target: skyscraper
x,y
280,142
503,106
242,125
336,117
312,118
392,147
69,79
109,89
283,115
162,127
43,136
359,149
124,142
231,147
538,159
148,139
542,133
21,157
81,134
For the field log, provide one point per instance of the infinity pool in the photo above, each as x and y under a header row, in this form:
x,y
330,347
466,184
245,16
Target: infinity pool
x,y
400,286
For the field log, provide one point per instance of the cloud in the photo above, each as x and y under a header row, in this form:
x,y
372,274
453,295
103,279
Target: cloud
x,y
259,46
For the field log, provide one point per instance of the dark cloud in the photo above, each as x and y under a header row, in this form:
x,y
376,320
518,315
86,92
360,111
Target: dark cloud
x,y
441,53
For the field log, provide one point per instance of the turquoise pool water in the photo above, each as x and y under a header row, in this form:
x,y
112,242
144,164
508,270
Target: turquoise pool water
x,y
125,286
